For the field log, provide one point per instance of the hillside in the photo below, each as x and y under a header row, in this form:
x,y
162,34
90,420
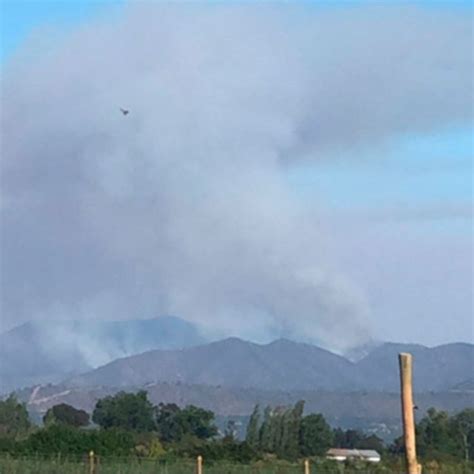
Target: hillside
x,y
50,351
286,365
466,386
437,368
280,365
118,354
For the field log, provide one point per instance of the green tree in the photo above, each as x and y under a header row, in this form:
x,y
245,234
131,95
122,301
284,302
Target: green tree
x,y
350,439
128,411
316,435
355,439
67,415
149,446
230,432
441,437
435,435
234,451
64,439
198,422
463,430
372,442
253,434
289,447
14,419
168,424
265,435
173,422
277,423
280,430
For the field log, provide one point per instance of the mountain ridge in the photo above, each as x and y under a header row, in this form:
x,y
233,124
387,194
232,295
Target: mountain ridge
x,y
286,365
174,350
49,351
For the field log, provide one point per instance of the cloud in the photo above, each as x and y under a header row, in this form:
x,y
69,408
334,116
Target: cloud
x,y
407,212
182,207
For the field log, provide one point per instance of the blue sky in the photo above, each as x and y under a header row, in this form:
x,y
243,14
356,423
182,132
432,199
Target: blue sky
x,y
418,169
410,195
20,17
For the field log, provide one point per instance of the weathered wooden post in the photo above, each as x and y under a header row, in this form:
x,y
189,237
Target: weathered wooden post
x,y
306,466
91,462
199,465
408,417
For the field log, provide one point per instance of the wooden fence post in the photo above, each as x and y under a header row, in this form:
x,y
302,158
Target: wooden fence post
x,y
199,465
306,466
91,462
408,417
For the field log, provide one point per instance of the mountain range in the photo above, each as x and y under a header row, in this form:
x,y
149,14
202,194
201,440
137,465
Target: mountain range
x,y
50,351
287,365
169,349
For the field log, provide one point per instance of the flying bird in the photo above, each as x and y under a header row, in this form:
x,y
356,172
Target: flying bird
x,y
124,111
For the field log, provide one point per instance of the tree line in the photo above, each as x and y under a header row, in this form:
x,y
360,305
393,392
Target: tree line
x,y
440,436
129,424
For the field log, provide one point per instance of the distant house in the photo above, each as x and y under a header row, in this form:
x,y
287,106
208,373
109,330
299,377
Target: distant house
x,y
362,454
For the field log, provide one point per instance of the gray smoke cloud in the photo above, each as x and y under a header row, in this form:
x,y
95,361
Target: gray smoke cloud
x,y
183,206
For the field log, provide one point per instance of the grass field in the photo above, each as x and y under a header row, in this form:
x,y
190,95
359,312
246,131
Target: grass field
x,y
31,466
64,466
41,465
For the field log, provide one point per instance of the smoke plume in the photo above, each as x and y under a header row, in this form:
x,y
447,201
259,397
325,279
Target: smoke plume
x,y
183,206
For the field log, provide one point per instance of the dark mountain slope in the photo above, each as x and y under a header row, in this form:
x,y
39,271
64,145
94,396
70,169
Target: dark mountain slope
x,y
286,365
437,368
283,365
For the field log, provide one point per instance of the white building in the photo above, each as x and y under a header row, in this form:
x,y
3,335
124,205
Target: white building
x,y
362,454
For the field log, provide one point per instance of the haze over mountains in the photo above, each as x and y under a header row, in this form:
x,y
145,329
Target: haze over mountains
x,y
169,349
49,351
